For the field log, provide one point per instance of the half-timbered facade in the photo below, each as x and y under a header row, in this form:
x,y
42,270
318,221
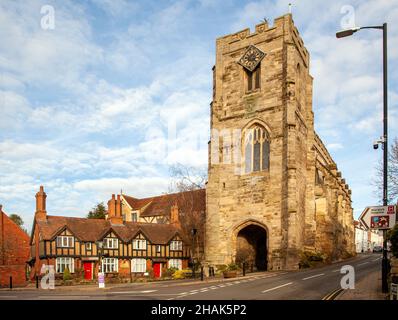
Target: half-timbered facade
x,y
160,209
121,248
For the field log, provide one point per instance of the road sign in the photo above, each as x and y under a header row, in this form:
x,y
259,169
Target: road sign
x,y
379,217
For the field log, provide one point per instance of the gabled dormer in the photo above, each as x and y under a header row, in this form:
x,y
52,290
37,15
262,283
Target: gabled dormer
x,y
140,241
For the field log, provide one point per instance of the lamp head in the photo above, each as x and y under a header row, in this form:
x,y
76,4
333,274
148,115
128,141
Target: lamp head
x,y
347,32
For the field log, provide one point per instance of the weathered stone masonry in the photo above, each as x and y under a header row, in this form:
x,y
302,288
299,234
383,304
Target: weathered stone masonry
x,y
300,200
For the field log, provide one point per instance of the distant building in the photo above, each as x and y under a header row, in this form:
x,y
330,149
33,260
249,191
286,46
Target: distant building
x,y
130,247
14,252
361,238
366,240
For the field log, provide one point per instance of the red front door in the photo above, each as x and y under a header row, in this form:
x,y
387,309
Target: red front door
x,y
157,269
88,270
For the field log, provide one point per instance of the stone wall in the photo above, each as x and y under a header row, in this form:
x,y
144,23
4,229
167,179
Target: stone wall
x,y
282,199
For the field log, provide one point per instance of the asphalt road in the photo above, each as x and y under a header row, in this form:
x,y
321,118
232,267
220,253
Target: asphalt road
x,y
313,284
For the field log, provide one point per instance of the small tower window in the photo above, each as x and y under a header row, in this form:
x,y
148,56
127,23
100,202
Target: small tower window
x,y
253,79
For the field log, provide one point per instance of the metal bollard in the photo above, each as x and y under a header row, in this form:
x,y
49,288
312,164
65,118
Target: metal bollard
x,y
37,282
244,269
201,273
10,282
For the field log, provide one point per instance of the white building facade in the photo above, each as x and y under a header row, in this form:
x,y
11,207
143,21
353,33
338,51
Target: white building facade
x,y
366,240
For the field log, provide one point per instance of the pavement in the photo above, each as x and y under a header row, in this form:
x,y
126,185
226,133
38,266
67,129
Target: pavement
x,y
161,283
309,284
368,288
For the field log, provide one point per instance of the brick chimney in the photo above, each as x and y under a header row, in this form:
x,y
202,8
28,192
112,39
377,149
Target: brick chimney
x,y
115,210
41,213
174,217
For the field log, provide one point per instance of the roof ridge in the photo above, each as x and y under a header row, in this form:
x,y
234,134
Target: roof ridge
x,y
166,194
80,218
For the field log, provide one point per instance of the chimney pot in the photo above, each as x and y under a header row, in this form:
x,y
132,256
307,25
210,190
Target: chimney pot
x,y
41,213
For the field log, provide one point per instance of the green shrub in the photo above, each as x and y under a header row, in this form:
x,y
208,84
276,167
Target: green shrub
x,y
392,236
232,267
67,275
182,274
309,259
221,267
169,272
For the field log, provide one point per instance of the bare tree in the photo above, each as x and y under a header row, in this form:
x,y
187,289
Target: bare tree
x,y
188,185
187,178
392,176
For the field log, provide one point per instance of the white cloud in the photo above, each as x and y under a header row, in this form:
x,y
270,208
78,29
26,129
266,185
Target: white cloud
x,y
116,7
334,146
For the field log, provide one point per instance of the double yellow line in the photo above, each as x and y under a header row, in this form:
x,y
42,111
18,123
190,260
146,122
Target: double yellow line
x,y
333,295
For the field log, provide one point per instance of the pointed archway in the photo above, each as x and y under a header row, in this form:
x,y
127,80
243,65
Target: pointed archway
x,y
251,245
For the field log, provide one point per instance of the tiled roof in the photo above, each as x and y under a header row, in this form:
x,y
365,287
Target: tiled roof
x,y
90,230
161,205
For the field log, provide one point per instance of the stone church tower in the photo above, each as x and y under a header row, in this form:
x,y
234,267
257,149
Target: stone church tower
x,y
273,190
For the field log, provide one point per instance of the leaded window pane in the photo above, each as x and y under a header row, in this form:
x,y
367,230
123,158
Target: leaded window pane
x,y
256,156
248,157
265,160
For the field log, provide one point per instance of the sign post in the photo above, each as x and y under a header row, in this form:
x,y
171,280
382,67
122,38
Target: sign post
x,y
101,280
380,218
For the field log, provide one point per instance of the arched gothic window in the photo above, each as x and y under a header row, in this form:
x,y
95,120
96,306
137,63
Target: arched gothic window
x,y
256,149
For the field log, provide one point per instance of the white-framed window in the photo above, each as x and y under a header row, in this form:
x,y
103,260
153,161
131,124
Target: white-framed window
x,y
176,245
65,242
110,265
139,244
175,263
138,265
62,262
134,217
111,243
158,248
88,246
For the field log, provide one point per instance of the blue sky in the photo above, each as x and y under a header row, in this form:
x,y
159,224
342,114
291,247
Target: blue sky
x,y
87,106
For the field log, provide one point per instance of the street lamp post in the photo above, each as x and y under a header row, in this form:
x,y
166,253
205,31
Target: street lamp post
x,y
384,140
100,273
193,233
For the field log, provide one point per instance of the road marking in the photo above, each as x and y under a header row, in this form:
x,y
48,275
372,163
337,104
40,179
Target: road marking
x,y
361,264
129,292
63,297
376,259
204,290
317,275
281,286
336,270
333,295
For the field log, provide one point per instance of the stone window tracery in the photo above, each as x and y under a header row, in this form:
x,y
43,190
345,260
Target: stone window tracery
x,y
256,149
